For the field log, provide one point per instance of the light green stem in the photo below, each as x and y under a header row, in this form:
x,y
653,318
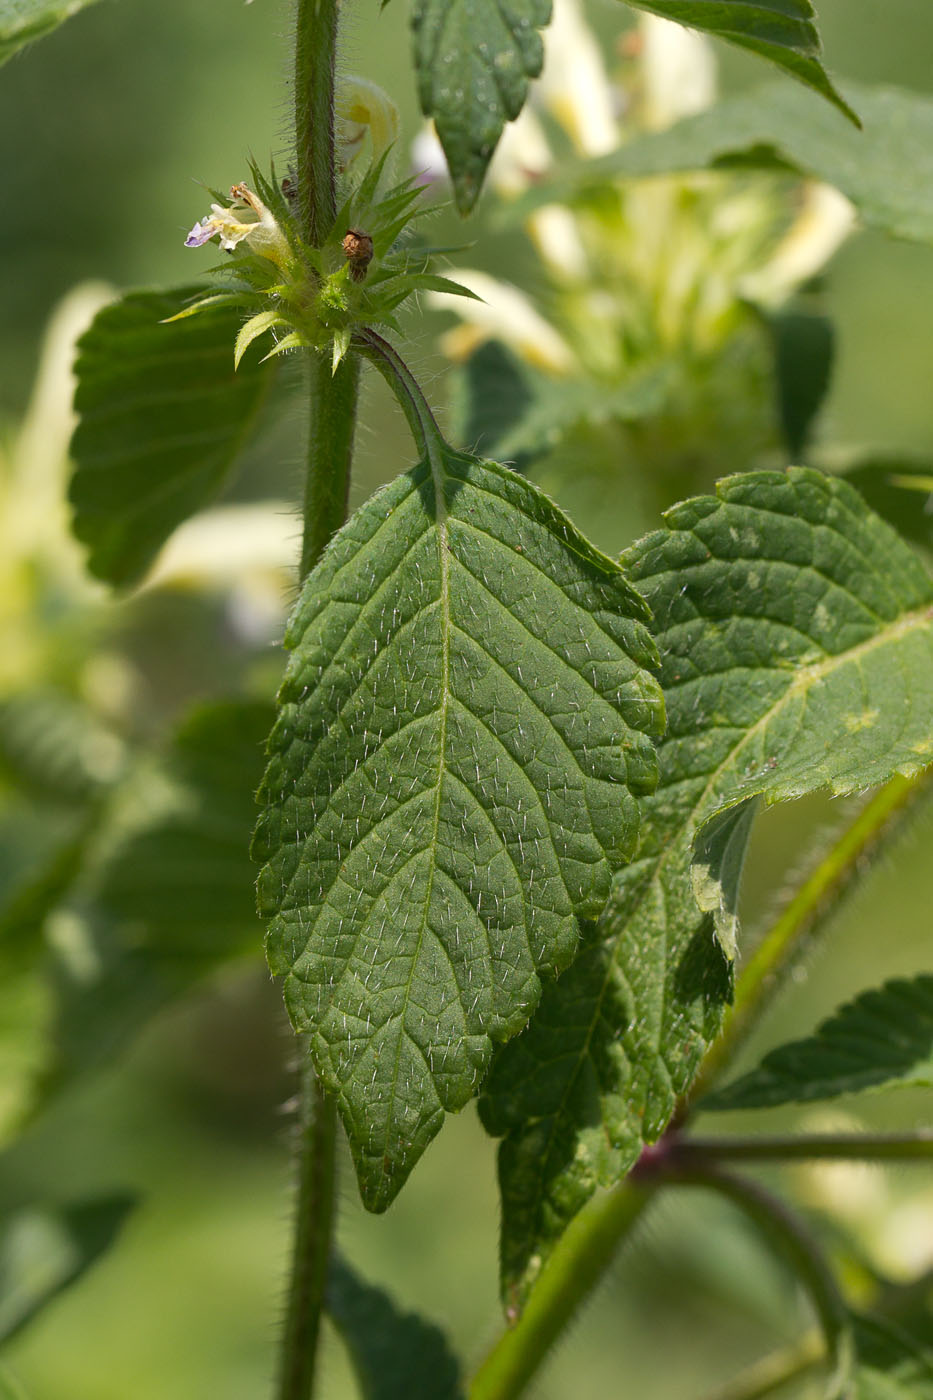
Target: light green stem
x,y
804,917
578,1263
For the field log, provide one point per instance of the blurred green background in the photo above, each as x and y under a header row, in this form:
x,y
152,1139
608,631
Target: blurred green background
x,y
106,130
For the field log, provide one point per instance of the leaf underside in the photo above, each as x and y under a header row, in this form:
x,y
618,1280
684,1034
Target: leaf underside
x,y
882,1038
463,728
474,60
163,414
886,169
797,652
22,21
782,31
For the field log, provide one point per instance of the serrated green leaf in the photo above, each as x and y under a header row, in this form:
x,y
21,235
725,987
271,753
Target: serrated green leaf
x,y
882,1038
783,31
796,639
464,724
171,898
474,60
395,1355
163,414
886,170
22,21
44,1251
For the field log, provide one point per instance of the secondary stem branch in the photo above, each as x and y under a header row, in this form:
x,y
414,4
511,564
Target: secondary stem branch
x,y
404,386
576,1266
790,1237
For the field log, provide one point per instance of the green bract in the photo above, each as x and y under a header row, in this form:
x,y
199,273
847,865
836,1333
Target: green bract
x,y
309,297
464,727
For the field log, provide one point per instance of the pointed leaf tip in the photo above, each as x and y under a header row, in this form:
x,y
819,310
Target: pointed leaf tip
x,y
475,59
785,34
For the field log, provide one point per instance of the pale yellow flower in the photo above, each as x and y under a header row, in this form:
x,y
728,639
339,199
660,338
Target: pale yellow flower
x,y
678,70
504,313
364,107
825,221
247,219
573,83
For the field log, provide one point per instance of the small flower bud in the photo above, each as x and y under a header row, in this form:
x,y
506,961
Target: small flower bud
x,y
358,250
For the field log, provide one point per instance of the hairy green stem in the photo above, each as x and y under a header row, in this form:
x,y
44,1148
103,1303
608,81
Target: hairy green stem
x,y
839,1147
578,1263
330,452
315,55
403,384
804,916
311,1244
333,403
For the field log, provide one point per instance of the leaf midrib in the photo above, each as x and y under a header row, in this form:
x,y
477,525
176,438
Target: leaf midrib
x,y
441,514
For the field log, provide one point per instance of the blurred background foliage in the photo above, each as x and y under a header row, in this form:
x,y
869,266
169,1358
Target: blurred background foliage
x,y
106,130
